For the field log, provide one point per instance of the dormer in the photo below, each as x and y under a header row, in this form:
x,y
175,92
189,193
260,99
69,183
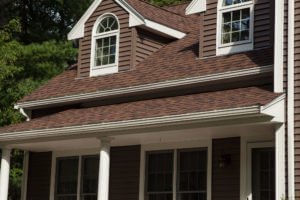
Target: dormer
x,y
116,35
232,26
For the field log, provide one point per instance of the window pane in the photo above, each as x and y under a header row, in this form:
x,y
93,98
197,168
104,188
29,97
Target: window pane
x,y
67,198
236,15
67,175
89,174
105,51
227,28
159,175
192,196
107,24
192,174
263,173
237,28
233,2
227,17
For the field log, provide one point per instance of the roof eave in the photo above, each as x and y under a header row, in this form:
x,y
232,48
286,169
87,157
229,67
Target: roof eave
x,y
144,88
107,129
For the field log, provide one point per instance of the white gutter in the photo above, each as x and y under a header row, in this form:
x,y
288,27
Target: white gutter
x,y
105,128
147,87
290,100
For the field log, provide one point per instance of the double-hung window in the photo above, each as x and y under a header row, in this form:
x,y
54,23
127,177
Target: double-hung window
x,y
176,174
105,44
235,26
77,178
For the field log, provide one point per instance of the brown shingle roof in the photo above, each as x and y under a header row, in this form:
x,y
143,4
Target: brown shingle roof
x,y
203,102
162,16
175,61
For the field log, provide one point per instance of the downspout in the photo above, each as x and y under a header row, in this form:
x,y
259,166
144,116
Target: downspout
x,y
290,100
22,111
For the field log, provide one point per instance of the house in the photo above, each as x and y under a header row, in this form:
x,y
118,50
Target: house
x,y
198,101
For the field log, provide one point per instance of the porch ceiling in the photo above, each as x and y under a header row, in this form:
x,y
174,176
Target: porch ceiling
x,y
234,103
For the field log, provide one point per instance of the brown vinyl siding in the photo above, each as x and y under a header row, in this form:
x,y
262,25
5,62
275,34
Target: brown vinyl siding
x,y
210,29
263,26
39,176
148,43
124,173
108,6
264,23
226,180
297,98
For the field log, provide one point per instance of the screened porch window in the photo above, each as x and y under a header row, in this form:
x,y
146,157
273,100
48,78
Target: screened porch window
x,y
189,182
72,172
263,174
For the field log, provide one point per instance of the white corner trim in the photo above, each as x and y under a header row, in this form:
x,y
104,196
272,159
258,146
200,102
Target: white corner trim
x,y
196,6
78,29
175,146
278,46
104,128
164,29
275,109
290,99
147,87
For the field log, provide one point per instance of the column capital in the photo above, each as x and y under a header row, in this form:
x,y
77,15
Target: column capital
x,y
105,140
5,147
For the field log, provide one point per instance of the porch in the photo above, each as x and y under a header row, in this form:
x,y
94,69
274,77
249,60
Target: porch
x,y
226,161
209,146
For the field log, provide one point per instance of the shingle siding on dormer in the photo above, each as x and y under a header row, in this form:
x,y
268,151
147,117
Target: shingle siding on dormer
x,y
263,26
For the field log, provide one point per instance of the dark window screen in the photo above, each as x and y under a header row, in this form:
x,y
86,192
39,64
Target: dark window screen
x,y
263,174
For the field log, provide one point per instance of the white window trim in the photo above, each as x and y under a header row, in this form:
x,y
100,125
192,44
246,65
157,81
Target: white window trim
x,y
62,154
234,47
105,69
175,146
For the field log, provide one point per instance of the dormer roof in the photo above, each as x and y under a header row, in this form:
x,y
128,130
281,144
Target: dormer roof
x,y
140,14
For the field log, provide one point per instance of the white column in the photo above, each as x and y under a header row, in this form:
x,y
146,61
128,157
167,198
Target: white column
x,y
103,182
4,174
280,162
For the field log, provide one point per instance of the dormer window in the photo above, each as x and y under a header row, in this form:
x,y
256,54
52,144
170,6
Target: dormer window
x,y
105,45
235,26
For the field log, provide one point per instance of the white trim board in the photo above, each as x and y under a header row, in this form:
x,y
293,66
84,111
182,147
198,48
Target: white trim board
x,y
135,19
147,87
196,6
104,129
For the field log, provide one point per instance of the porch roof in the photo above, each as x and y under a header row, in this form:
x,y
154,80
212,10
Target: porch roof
x,y
146,109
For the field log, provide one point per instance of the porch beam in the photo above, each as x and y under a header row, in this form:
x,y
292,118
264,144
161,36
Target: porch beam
x,y
104,169
4,173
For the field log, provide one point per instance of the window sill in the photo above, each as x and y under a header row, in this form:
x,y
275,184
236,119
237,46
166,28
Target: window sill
x,y
105,70
236,48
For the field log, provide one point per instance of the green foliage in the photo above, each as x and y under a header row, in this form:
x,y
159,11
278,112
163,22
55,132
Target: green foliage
x,y
23,68
43,20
